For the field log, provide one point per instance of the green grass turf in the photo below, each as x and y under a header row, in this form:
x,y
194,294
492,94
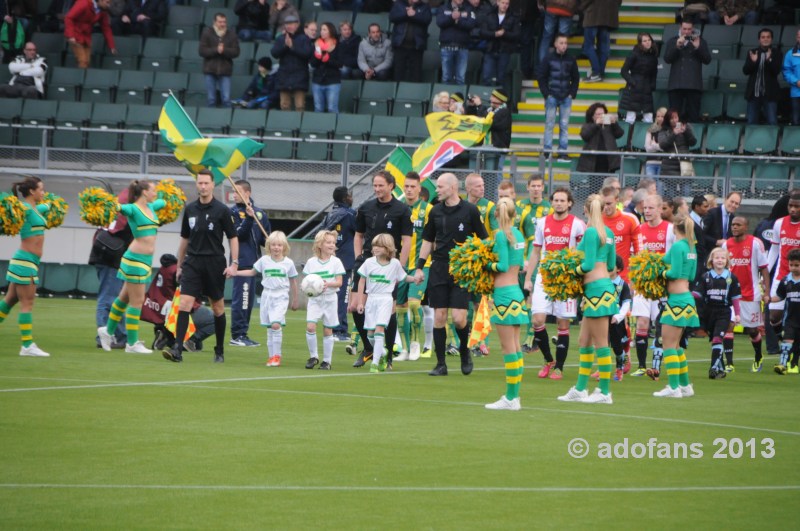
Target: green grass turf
x,y
93,440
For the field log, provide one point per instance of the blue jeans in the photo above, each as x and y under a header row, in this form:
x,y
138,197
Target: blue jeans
x,y
495,66
795,111
754,107
242,301
750,17
597,57
334,5
223,83
564,108
110,286
549,32
454,65
247,34
326,97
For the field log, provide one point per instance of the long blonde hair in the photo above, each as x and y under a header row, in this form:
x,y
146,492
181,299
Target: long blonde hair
x,y
319,239
278,236
505,212
685,225
594,211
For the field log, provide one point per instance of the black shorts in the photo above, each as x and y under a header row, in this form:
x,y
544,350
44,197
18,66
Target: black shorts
x,y
716,321
204,275
443,292
791,331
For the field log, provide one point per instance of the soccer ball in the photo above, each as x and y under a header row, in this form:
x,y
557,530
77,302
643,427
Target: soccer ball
x,y
312,285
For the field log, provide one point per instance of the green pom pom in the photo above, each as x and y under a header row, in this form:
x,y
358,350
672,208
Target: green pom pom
x,y
98,207
12,214
57,211
469,263
174,198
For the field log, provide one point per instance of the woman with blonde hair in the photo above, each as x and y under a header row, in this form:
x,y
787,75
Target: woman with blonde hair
x,y
598,305
509,310
441,102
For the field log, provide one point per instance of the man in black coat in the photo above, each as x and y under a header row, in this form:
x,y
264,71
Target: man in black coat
x,y
293,49
762,65
717,223
144,18
698,212
686,54
409,37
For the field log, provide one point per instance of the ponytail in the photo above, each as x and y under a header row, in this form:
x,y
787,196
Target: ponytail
x,y
26,186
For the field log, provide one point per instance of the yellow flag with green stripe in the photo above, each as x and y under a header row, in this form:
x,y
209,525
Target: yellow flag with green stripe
x,y
398,165
450,135
222,156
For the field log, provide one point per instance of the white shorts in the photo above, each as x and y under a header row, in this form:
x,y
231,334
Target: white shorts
x,y
541,304
325,308
378,311
274,304
751,314
645,308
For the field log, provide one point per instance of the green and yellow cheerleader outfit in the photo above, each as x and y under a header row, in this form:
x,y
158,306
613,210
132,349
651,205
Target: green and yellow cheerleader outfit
x,y
599,300
680,309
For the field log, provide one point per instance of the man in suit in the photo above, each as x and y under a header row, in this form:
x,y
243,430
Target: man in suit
x,y
717,223
698,212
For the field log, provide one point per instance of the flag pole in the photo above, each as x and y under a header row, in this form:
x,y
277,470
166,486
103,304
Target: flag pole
x,y
239,192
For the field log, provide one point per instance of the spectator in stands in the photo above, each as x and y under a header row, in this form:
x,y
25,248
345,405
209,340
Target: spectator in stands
x,y
253,20
639,71
791,73
142,18
599,133
501,29
481,9
262,92
375,55
23,12
326,80
528,14
78,25
348,51
310,29
557,20
27,75
278,12
455,20
293,49
441,102
457,103
499,135
56,13
731,12
686,53
676,137
409,37
600,17
218,47
652,167
762,66
356,6
558,81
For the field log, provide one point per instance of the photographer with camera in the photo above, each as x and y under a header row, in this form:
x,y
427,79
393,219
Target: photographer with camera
x,y
686,53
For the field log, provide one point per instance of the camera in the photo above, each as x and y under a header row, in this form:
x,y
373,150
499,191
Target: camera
x,y
690,38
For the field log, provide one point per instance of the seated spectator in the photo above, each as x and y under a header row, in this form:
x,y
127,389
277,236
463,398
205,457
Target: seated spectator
x,y
218,47
278,11
731,12
501,29
253,20
348,51
409,37
441,102
639,71
599,133
293,49
261,93
652,167
762,66
142,18
54,21
326,79
457,103
375,55
27,75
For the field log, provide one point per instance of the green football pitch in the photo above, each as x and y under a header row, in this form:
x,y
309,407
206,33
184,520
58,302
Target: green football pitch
x,y
94,439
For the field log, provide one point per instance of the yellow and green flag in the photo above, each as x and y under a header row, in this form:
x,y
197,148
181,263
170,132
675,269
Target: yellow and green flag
x,y
222,156
398,165
450,135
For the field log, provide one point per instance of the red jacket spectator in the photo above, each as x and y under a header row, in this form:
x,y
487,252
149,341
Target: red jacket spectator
x,y
83,16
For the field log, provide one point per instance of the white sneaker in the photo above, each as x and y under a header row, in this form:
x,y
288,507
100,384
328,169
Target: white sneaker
x,y
686,390
403,356
669,392
573,395
505,403
597,397
137,348
33,351
105,338
414,351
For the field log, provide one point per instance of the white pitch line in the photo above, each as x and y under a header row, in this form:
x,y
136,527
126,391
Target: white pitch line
x,y
351,488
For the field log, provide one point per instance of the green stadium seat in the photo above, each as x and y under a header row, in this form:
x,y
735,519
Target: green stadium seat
x,y
741,174
376,97
662,75
790,142
60,279
622,142
710,74
159,55
281,124
335,18
107,116
723,41
761,139
771,180
731,77
639,135
431,63
129,48
87,283
144,118
134,86
363,20
196,90
703,181
348,95
51,46
164,82
239,84
213,121
699,130
36,113
723,138
10,112
411,99
243,65
65,83
315,126
416,130
388,130
735,106
711,106
248,122
100,85
189,59
632,166
354,128
309,9
788,38
68,117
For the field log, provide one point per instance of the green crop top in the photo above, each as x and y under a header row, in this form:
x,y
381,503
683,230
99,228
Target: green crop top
x,y
34,221
508,254
142,223
682,259
593,252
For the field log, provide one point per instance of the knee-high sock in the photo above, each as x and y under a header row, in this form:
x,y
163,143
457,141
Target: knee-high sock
x,y
513,365
404,327
562,348
377,341
115,315
327,348
270,347
716,354
358,321
4,309
181,326
389,334
541,338
463,341
604,365
277,341
641,348
220,324
415,315
727,348
132,323
25,322
311,341
672,363
440,344
427,324
683,368
786,349
585,369
756,340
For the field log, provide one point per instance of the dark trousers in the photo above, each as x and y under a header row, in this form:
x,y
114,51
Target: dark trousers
x,y
242,302
687,102
408,65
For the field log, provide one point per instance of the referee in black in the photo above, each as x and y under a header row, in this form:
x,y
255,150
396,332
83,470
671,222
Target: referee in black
x,y
384,214
202,266
450,222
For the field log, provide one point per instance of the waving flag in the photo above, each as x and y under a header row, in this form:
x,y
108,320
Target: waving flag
x,y
398,165
222,156
481,324
451,134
